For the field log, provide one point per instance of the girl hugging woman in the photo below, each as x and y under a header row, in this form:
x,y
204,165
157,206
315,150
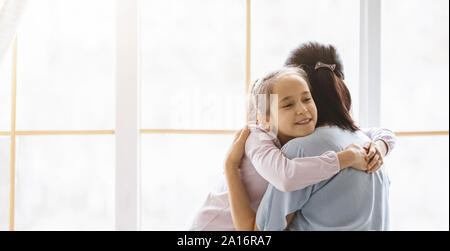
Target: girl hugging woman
x,y
314,103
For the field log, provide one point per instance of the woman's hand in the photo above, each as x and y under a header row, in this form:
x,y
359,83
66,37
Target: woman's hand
x,y
375,154
237,149
243,215
354,156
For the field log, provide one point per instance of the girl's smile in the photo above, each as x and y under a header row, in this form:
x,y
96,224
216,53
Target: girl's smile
x,y
303,122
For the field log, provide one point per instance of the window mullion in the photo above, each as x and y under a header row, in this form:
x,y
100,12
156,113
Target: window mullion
x,y
127,132
370,63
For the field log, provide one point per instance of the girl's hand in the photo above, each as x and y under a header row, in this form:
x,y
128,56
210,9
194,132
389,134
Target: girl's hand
x,y
237,149
358,157
374,156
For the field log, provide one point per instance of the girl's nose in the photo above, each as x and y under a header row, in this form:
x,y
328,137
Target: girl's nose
x,y
301,110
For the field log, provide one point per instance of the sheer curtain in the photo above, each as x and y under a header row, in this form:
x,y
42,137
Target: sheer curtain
x,y
11,12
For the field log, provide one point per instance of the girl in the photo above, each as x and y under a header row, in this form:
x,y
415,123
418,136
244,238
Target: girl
x,y
263,161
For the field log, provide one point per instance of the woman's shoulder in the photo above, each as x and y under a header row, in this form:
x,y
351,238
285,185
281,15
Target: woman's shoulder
x,y
319,133
326,136
335,131
298,144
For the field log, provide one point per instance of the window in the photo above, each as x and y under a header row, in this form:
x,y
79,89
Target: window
x,y
192,78
191,74
193,64
414,97
64,171
5,93
419,183
65,182
4,182
414,61
66,66
178,172
5,128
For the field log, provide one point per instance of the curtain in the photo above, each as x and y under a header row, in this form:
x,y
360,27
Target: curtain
x,y
11,12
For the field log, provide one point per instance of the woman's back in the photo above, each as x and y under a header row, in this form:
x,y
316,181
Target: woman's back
x,y
350,200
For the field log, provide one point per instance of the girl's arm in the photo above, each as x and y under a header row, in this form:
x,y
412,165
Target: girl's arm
x,y
383,142
244,217
289,175
384,138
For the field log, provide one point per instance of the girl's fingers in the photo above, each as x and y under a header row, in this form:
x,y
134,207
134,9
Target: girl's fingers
x,y
380,160
372,151
372,167
370,154
376,167
367,148
378,152
373,162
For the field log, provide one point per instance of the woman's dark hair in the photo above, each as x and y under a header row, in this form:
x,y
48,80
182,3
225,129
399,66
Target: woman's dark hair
x,y
331,95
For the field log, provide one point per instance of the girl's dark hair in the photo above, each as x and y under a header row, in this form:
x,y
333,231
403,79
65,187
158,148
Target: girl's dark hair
x,y
331,95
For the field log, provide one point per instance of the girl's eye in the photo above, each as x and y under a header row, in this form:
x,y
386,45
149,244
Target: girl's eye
x,y
307,100
287,106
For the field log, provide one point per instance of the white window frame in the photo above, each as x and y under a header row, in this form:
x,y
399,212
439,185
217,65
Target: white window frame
x,y
127,117
370,63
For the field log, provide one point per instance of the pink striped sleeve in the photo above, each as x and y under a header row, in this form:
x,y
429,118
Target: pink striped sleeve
x,y
382,134
286,174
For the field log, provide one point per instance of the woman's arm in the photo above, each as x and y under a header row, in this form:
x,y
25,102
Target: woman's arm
x,y
289,175
244,217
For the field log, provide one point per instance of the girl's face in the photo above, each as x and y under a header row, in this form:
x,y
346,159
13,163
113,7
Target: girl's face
x,y
297,112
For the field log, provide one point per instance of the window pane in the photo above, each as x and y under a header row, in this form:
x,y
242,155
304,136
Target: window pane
x,y
5,92
67,66
278,27
193,64
4,182
414,62
65,183
418,169
177,173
